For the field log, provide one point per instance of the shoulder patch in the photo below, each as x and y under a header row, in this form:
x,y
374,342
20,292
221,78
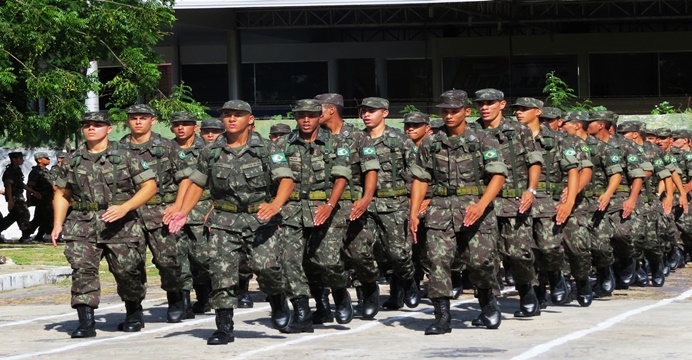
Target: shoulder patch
x,y
615,158
632,158
346,133
490,154
569,152
278,157
369,151
658,162
666,158
640,148
181,154
688,157
673,160
415,149
585,148
145,166
342,152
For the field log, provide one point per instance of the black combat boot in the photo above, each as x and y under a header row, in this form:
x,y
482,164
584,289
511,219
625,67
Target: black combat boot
x,y
281,315
666,268
244,301
323,310
528,302
541,295
641,278
457,285
443,318
509,278
134,321
187,305
626,274
411,293
606,282
395,301
344,306
202,305
371,300
176,308
584,293
87,324
490,316
358,308
559,289
224,328
302,318
657,277
675,257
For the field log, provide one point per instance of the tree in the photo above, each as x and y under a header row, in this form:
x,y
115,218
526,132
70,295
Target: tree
x,y
46,47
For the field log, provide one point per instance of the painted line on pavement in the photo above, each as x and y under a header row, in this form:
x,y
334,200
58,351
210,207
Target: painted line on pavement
x,y
543,348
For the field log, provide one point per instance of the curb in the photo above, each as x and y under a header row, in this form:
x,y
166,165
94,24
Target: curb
x,y
33,278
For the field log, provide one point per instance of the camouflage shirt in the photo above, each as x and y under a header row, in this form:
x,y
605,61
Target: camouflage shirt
x,y
361,154
90,178
630,157
607,161
13,175
682,160
190,156
396,153
243,176
40,180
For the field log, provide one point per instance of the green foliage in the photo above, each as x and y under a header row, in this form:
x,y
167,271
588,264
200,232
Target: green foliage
x,y
46,47
561,96
668,108
180,100
409,109
277,117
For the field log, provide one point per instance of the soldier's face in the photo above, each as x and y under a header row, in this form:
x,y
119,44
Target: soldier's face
x,y
327,112
680,143
18,161
490,109
453,117
372,117
416,131
651,138
237,121
527,115
43,161
594,128
140,124
184,130
631,135
95,130
308,121
664,142
210,135
554,124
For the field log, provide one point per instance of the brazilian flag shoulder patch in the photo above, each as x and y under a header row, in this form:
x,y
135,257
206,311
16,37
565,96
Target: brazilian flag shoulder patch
x,y
688,156
585,148
569,152
632,158
615,158
673,160
666,158
369,151
145,166
490,154
181,154
342,152
658,162
278,157
640,148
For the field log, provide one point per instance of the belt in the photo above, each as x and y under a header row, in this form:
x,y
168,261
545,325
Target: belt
x,y
458,191
321,195
93,206
553,186
205,195
158,199
389,193
599,192
508,193
623,188
230,207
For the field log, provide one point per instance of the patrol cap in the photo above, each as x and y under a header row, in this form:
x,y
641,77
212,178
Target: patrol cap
x,y
630,126
330,98
97,116
41,155
375,103
663,132
15,154
140,109
453,99
575,115
416,117
604,115
61,154
280,129
437,123
682,134
182,116
236,105
551,113
309,105
212,123
489,94
528,102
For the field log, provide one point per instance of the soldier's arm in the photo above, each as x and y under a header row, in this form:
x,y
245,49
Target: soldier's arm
x,y
61,202
475,211
565,208
418,190
360,206
268,210
146,190
613,183
677,180
8,195
323,212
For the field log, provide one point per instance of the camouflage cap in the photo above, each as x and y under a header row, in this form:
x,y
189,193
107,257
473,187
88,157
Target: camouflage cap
x,y
61,154
416,117
437,123
528,102
489,94
182,116
140,109
330,98
15,154
375,103
97,116
630,126
575,115
453,99
41,155
663,132
212,123
236,105
551,113
309,105
682,134
604,115
280,129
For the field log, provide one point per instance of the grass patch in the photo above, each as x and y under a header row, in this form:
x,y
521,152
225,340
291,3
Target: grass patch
x,y
34,254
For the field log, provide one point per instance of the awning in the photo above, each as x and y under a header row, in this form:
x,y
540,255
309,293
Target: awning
x,y
213,4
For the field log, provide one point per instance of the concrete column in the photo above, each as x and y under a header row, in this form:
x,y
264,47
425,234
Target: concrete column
x,y
583,90
234,60
92,99
381,77
333,76
175,62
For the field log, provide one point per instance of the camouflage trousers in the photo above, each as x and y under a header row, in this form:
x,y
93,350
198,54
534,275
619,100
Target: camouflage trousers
x,y
394,242
601,230
684,223
657,230
475,245
628,233
324,257
193,248
577,244
262,247
421,261
164,249
516,244
125,261
20,214
360,248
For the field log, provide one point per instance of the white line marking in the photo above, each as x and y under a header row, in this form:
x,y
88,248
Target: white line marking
x,y
99,310
543,348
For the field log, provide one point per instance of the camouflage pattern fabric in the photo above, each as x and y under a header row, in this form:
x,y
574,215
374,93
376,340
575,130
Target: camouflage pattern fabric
x,y
20,212
683,161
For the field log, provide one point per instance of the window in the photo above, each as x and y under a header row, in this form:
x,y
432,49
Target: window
x,y
409,80
623,74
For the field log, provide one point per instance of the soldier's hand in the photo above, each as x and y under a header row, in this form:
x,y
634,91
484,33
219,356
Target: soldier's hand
x,y
37,195
177,221
526,201
563,212
627,207
473,213
10,204
684,203
359,208
424,206
322,214
563,196
687,187
114,213
168,213
667,205
267,211
55,235
413,222
603,202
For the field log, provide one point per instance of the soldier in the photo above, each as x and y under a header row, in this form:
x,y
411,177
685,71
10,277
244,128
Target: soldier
x,y
163,158
314,234
396,153
524,160
101,182
352,215
13,178
464,167
55,169
276,131
211,129
41,182
551,209
249,182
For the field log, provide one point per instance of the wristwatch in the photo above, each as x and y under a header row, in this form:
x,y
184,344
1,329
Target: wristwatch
x,y
533,191
330,205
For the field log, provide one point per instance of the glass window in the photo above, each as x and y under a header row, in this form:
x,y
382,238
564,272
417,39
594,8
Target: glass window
x,y
209,82
284,83
356,81
613,75
676,73
409,80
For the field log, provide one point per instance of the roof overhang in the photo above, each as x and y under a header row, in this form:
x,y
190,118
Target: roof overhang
x,y
246,4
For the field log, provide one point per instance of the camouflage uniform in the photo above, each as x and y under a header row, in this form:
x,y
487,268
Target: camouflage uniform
x,y
55,169
14,177
239,179
41,181
683,162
